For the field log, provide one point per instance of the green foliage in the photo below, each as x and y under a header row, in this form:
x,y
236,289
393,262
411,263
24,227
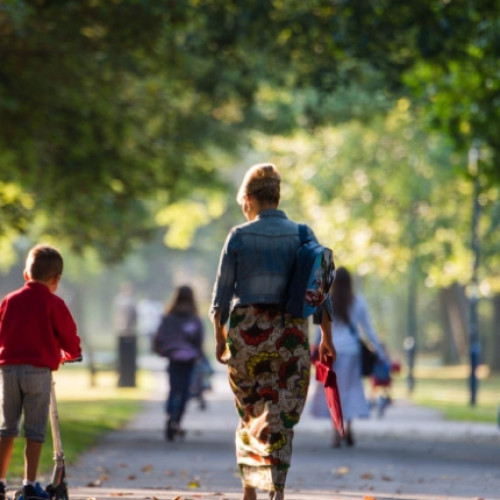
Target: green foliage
x,y
379,193
92,124
460,88
111,111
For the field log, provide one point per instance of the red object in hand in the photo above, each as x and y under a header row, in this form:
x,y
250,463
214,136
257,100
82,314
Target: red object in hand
x,y
396,367
326,375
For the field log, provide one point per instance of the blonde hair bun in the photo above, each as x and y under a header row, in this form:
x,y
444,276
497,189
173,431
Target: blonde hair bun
x,y
262,181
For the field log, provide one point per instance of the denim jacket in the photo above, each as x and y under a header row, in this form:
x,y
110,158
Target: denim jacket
x,y
256,262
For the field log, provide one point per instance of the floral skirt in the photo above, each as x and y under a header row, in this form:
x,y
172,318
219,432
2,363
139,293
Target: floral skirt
x,y
268,372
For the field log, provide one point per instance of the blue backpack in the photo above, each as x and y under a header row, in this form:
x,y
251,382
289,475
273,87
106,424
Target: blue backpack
x,y
311,278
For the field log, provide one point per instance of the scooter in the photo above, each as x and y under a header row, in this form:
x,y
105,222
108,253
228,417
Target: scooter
x,y
58,487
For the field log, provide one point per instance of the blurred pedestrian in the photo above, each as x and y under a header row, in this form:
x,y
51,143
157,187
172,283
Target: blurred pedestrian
x,y
37,333
125,311
349,312
381,383
179,338
267,351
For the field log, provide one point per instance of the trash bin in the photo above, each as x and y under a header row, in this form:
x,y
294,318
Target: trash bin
x,y
127,360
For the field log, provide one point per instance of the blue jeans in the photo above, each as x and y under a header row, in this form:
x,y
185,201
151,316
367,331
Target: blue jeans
x,y
179,373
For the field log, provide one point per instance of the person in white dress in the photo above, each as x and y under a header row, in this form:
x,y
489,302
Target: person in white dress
x,y
350,312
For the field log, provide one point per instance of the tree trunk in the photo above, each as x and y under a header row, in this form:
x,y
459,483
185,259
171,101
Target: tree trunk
x,y
494,360
454,306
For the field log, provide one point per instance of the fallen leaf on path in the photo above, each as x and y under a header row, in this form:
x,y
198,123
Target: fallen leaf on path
x,y
147,468
369,498
131,477
367,475
94,484
120,494
342,471
194,484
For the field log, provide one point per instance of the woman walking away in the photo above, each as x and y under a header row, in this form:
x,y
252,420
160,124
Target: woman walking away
x,y
349,312
179,338
266,350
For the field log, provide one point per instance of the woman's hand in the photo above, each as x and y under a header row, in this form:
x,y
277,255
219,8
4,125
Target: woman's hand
x,y
327,352
221,351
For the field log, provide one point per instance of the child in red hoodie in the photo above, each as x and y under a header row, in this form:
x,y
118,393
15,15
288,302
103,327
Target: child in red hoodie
x,y
37,333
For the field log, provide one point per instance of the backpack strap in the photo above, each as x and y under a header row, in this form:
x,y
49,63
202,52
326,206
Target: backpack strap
x,y
303,238
303,233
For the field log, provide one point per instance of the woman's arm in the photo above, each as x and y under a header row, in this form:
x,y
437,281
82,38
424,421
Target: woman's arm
x,y
224,286
220,334
326,347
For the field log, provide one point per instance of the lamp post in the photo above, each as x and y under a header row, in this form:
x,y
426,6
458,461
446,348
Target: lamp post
x,y
474,344
410,343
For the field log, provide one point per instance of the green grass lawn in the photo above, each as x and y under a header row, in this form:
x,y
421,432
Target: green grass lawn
x,y
85,413
447,389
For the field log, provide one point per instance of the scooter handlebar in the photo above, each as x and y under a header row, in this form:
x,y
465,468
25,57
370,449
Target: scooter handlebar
x,y
74,360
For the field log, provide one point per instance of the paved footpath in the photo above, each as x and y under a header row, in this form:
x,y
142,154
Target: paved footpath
x,y
410,454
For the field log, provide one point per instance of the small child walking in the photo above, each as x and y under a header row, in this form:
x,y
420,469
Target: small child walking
x,y
37,333
381,382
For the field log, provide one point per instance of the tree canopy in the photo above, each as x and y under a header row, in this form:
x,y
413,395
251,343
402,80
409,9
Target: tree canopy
x,y
113,113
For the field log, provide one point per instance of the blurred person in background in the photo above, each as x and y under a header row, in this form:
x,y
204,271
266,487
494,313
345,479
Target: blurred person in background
x,y
179,338
349,312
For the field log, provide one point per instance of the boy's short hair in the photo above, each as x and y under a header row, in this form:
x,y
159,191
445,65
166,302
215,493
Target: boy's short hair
x,y
43,263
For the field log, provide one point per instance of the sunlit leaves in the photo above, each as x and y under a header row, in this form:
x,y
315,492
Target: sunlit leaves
x,y
184,217
16,208
381,194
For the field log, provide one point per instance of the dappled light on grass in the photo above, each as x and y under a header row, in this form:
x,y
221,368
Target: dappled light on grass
x,y
455,372
446,388
75,383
